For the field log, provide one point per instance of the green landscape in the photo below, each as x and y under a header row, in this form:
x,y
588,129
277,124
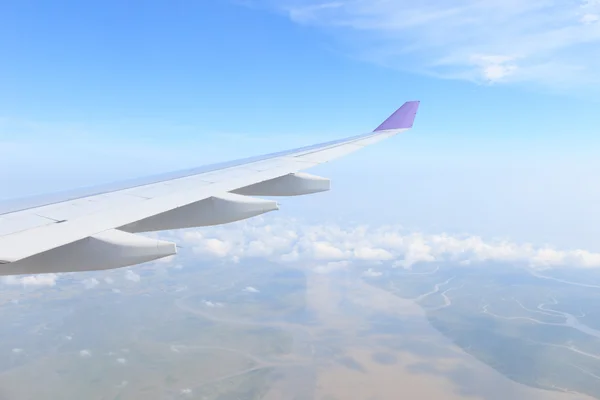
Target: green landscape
x,y
260,330
514,319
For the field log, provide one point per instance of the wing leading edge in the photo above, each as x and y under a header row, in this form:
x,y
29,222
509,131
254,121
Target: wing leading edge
x,y
95,228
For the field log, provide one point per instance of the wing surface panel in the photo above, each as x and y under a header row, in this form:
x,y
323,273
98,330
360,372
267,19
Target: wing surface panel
x,y
40,224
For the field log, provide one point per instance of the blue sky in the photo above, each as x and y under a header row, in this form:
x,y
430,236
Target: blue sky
x,y
505,142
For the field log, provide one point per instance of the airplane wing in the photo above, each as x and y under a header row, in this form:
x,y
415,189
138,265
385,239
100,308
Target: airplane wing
x,y
96,228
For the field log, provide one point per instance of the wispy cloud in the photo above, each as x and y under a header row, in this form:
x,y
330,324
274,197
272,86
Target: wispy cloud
x,y
548,42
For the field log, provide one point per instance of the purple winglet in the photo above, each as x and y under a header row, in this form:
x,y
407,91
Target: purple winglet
x,y
402,118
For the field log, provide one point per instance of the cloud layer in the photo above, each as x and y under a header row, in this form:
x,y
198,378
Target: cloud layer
x,y
548,42
329,247
31,280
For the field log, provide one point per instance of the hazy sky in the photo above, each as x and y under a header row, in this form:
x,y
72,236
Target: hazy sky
x,y
505,143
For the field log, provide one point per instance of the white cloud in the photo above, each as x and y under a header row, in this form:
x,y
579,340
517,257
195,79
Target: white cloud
x,y
418,250
251,289
17,351
590,18
326,251
85,353
372,254
31,280
109,280
327,247
211,304
132,276
494,68
331,266
212,247
90,283
543,41
371,273
121,360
